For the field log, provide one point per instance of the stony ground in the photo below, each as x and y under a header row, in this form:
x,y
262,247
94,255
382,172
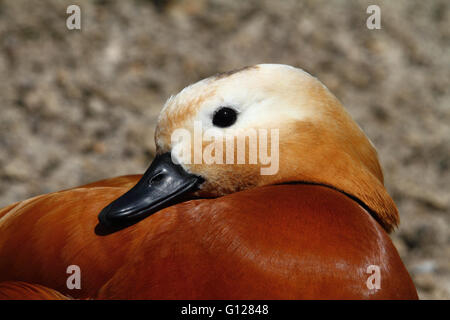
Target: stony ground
x,y
81,106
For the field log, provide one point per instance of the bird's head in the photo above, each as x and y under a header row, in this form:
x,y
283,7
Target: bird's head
x,y
261,125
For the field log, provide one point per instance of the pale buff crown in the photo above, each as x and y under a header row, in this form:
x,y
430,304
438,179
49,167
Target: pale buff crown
x,y
318,140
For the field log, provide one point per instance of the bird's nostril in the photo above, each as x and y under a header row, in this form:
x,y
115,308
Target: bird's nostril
x,y
157,178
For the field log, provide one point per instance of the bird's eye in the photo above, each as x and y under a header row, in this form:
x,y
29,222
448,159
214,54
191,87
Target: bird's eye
x,y
224,117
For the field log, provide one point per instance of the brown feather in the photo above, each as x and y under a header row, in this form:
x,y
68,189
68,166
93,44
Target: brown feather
x,y
25,291
274,242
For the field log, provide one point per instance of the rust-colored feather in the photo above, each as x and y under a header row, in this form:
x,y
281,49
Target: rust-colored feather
x,y
10,290
273,242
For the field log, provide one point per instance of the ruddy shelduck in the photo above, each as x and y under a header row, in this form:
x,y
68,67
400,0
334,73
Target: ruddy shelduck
x,y
315,228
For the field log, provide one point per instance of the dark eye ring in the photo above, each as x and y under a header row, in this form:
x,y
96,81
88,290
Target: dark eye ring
x,y
224,117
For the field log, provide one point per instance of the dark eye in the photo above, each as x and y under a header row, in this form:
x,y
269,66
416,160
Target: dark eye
x,y
224,117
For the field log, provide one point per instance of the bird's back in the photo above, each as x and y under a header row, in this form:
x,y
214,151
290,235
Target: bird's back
x,y
274,242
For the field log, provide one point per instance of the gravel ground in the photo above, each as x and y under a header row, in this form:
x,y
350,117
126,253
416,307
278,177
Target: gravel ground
x,y
78,106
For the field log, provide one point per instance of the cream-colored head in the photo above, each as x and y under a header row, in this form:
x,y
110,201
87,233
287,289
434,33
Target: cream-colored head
x,y
318,140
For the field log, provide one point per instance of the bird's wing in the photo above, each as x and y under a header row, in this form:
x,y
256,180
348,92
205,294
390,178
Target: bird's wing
x,y
17,290
285,241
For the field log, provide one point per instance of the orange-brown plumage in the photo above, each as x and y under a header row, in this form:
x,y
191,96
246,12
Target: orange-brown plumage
x,y
279,242
17,290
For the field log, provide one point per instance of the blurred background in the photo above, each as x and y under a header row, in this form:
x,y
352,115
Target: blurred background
x,y
78,106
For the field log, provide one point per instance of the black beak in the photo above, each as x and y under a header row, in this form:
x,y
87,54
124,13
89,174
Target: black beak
x,y
162,183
